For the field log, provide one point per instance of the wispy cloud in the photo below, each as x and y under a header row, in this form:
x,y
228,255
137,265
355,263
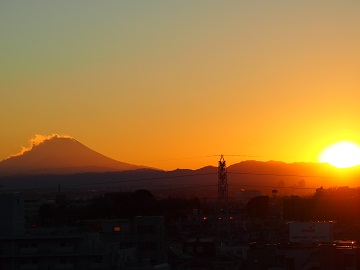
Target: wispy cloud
x,y
39,139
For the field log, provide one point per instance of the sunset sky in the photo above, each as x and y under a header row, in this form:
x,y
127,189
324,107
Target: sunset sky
x,y
172,84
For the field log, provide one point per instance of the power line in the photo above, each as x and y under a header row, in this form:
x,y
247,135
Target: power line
x,y
235,185
143,179
293,175
262,186
209,156
188,187
118,181
169,159
186,175
240,155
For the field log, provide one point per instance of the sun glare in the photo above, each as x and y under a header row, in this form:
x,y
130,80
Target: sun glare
x,y
341,155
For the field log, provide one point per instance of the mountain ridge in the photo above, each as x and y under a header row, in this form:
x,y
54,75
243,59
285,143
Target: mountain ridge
x,y
67,162
61,155
288,179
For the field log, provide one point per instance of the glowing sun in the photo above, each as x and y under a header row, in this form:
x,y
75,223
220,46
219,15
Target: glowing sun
x,y
341,155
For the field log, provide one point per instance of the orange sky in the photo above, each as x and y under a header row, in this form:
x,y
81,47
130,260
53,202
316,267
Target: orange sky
x,y
171,84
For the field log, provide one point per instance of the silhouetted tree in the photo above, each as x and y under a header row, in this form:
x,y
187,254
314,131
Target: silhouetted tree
x,y
258,206
144,203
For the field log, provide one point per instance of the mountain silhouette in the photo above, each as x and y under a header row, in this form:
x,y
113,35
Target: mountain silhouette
x,y
59,155
66,162
287,178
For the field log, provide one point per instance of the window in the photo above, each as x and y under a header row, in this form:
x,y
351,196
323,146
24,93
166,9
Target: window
x,y
199,249
146,246
23,245
98,259
147,229
348,260
289,264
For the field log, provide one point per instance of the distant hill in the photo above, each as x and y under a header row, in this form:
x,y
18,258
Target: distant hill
x,y
67,162
59,155
288,179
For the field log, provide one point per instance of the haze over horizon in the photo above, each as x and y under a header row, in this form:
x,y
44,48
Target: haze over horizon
x,y
171,84
66,155
69,149
54,159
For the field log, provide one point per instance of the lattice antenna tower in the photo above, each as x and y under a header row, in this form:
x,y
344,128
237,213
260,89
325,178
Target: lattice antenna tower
x,y
222,181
